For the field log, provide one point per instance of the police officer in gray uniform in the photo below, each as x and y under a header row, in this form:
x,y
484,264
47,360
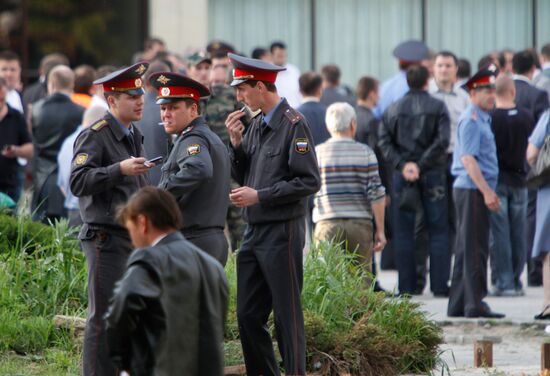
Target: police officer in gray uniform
x,y
107,168
275,163
197,169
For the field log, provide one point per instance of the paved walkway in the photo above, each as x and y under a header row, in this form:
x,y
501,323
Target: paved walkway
x,y
518,335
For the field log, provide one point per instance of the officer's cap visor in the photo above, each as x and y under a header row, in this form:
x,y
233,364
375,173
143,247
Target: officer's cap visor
x,y
166,100
237,82
138,91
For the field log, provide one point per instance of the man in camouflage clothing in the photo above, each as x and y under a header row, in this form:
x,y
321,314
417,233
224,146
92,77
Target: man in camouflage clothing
x,y
215,109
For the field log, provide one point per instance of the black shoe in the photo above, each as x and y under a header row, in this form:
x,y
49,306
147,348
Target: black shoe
x,y
485,312
542,316
441,294
534,282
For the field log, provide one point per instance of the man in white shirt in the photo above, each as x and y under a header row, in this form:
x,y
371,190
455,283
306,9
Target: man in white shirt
x,y
10,70
287,80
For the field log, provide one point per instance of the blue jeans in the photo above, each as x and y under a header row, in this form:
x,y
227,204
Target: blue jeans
x,y
508,245
433,194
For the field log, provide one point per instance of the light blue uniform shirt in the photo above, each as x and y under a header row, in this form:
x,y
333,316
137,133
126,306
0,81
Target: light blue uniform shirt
x,y
475,137
390,91
64,159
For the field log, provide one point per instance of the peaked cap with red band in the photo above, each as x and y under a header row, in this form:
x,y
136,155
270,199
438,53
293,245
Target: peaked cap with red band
x,y
173,87
484,78
126,80
246,69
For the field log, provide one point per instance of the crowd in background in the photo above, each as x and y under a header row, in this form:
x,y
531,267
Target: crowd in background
x,y
40,122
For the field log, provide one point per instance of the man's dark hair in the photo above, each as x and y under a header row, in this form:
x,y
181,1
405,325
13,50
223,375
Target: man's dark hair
x,y
84,78
417,76
464,68
159,206
258,52
523,62
310,83
331,74
219,54
9,56
270,86
447,54
365,86
545,51
485,61
277,44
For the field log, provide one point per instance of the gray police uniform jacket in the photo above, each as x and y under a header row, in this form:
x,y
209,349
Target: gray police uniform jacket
x,y
197,174
278,160
167,313
96,178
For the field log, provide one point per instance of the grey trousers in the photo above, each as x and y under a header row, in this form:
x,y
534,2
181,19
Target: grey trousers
x,y
106,254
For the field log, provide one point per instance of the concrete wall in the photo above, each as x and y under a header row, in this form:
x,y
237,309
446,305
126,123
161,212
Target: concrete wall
x,y
182,24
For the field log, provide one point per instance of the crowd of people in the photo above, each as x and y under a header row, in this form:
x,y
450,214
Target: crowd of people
x,y
186,159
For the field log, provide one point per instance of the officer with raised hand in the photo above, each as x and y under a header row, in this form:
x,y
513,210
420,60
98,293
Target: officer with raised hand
x,y
275,164
107,168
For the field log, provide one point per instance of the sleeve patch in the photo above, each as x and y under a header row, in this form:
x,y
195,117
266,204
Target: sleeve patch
x,y
301,145
193,149
81,159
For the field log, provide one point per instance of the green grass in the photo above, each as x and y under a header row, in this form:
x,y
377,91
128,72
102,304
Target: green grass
x,y
349,328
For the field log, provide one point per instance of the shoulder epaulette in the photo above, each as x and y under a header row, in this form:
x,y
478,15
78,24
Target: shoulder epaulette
x,y
293,115
99,125
187,130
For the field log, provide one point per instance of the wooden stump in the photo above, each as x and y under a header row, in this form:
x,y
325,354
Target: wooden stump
x,y
483,354
545,356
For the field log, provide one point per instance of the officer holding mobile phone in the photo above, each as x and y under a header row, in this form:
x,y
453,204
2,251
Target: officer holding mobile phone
x,y
197,169
107,168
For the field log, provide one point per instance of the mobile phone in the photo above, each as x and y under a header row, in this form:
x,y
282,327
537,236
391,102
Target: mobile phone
x,y
154,160
247,118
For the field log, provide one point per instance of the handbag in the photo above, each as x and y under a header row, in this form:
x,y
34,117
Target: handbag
x,y
540,172
410,196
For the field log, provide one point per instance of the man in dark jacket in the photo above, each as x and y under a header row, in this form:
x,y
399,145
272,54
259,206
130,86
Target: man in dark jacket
x,y
167,313
54,118
414,137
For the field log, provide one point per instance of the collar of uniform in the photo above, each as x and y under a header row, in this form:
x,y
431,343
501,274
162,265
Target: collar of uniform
x,y
482,114
198,121
118,129
269,116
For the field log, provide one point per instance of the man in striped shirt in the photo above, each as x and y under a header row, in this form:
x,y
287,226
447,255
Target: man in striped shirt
x,y
351,191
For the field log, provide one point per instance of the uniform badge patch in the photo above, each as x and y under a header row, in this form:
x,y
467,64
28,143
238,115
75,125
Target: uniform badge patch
x,y
193,149
81,159
301,145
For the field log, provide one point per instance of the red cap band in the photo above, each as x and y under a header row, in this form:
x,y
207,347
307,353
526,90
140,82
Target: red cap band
x,y
134,83
256,75
179,92
482,81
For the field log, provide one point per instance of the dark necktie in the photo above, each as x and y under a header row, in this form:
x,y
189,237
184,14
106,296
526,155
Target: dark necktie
x,y
132,143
